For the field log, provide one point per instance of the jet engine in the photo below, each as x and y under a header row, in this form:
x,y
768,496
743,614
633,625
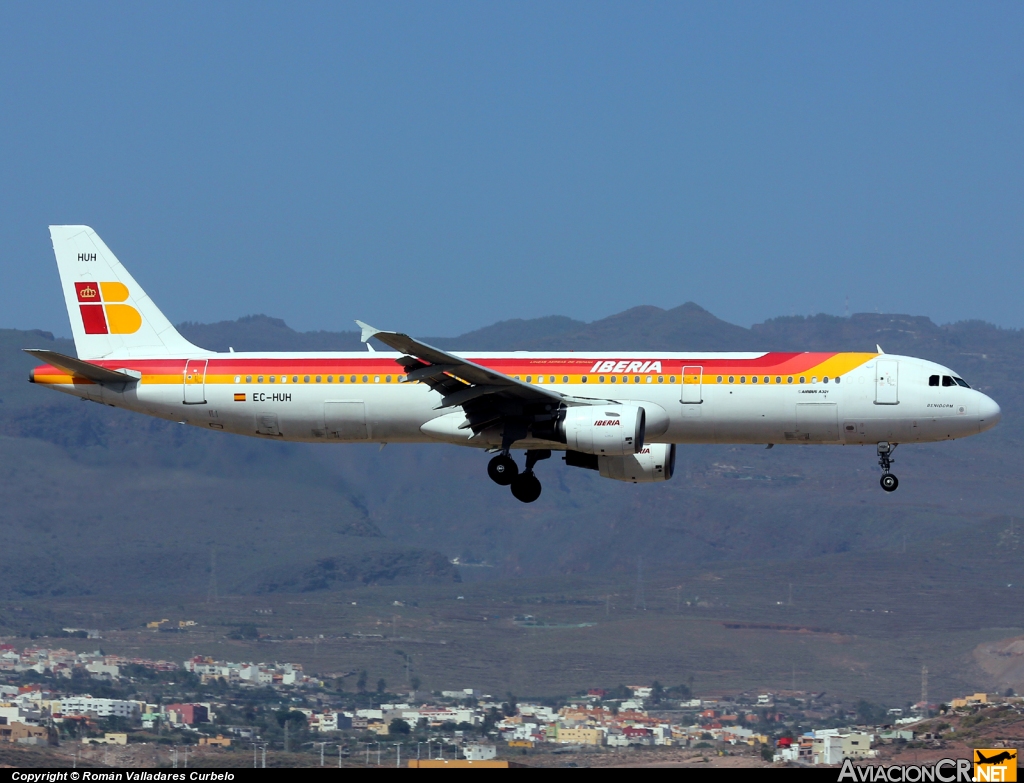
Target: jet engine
x,y
603,429
655,462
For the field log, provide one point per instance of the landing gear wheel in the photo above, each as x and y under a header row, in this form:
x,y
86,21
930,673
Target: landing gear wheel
x,y
526,488
503,470
889,482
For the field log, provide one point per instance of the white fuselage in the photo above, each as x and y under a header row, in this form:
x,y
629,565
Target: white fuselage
x,y
366,400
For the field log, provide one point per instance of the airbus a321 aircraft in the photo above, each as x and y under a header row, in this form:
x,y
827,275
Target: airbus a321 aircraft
x,y
622,414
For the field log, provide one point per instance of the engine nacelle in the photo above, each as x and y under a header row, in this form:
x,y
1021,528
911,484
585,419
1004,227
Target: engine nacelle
x,y
654,462
610,430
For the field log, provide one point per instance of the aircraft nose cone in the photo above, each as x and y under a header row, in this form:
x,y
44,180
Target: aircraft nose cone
x,y
989,413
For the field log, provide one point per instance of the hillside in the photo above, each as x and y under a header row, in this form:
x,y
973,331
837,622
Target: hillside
x,y
91,491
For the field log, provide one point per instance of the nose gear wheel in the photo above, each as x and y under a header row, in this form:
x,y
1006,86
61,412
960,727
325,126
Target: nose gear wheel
x,y
888,481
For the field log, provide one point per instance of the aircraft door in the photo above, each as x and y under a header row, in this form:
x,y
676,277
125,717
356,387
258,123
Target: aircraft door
x,y
345,419
692,384
195,382
887,382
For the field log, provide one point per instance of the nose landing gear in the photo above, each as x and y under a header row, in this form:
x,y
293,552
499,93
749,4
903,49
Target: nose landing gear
x,y
888,481
525,486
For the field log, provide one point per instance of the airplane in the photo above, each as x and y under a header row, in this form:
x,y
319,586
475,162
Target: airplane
x,y
1005,755
621,414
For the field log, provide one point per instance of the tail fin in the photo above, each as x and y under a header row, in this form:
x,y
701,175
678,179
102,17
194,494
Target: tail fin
x,y
110,313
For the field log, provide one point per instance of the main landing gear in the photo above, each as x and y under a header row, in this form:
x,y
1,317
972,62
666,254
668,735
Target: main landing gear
x,y
525,486
889,482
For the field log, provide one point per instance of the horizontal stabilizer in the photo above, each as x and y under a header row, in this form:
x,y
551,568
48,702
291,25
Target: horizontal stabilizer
x,y
82,369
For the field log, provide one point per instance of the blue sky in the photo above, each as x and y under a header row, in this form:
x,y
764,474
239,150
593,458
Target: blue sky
x,y
436,167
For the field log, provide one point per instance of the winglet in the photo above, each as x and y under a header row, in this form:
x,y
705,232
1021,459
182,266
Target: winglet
x,y
877,347
368,331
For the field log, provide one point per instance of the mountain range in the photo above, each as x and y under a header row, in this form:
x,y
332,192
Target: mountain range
x,y
101,501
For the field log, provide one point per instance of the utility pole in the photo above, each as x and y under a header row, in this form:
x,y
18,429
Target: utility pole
x,y
286,736
924,687
398,758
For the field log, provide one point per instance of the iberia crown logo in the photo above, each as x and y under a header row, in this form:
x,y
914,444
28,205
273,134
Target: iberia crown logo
x,y
110,317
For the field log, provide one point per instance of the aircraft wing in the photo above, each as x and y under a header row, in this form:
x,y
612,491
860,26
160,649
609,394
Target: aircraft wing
x,y
92,372
457,379
489,398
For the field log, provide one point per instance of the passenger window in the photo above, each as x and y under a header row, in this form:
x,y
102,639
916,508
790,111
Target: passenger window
x,y
353,379
947,381
825,379
601,378
318,378
803,379
565,379
837,379
814,379
789,379
671,379
753,379
649,379
376,379
961,382
583,379
259,379
529,379
933,380
365,379
330,379
614,379
731,378
743,379
767,379
305,379
661,379
719,378
248,379
271,378
386,380
778,379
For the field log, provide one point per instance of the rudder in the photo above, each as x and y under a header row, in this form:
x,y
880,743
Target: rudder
x,y
110,313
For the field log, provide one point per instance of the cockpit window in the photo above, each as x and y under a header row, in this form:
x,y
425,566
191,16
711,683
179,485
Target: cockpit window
x,y
961,382
933,380
947,381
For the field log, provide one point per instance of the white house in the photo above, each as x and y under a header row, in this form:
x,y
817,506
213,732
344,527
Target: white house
x,y
479,752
